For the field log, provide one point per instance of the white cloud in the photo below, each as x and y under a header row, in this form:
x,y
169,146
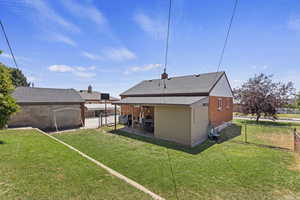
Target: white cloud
x,y
91,56
143,68
63,39
60,68
115,54
263,67
82,72
48,14
155,28
294,23
18,58
119,54
32,78
85,74
84,10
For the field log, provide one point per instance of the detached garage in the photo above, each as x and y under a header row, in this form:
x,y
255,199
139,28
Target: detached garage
x,y
48,108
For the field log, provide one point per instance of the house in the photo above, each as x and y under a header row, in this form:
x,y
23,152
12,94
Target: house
x,y
95,104
179,109
48,108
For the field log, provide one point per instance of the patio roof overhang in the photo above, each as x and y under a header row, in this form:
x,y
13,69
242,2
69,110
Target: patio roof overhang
x,y
95,106
175,100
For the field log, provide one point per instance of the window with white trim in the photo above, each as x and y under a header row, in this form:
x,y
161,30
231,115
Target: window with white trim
x,y
220,104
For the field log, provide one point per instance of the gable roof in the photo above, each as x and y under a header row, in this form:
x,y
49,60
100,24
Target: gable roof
x,y
94,95
193,84
46,95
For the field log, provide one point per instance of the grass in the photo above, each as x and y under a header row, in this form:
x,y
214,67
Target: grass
x,y
34,167
230,169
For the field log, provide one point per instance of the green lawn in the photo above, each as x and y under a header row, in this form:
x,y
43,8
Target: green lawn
x,y
228,170
34,167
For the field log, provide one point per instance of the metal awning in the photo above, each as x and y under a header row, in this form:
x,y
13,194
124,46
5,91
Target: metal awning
x,y
95,106
180,100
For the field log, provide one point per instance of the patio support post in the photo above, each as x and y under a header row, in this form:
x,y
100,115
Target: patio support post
x,y
115,117
132,107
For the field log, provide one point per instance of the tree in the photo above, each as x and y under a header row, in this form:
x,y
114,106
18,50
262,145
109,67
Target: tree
x,y
8,105
262,96
298,100
18,78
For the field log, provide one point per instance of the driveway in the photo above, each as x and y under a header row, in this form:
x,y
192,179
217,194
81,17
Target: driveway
x,y
96,122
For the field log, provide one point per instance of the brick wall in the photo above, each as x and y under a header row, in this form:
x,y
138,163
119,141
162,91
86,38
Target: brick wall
x,y
219,116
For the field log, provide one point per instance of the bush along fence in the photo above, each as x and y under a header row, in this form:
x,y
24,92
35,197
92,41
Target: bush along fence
x,y
279,137
296,141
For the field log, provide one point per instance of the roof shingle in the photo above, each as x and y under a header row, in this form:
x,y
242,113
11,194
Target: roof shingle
x,y
201,83
46,95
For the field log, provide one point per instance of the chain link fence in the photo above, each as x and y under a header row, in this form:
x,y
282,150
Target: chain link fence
x,y
281,137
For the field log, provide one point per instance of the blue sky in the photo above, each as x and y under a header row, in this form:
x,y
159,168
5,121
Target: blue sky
x,y
114,44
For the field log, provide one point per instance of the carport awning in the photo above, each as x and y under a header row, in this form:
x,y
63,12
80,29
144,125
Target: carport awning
x,y
95,106
180,100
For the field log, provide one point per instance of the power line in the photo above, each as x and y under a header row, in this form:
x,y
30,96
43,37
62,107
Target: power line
x,y
173,177
168,35
8,44
227,35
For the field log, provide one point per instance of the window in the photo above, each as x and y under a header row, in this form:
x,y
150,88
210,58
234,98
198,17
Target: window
x,y
220,104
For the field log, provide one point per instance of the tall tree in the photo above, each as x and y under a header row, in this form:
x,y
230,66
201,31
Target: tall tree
x,y
8,105
260,95
18,78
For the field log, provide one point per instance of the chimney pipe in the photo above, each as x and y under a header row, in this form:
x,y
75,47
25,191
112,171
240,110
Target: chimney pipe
x,y
90,89
164,75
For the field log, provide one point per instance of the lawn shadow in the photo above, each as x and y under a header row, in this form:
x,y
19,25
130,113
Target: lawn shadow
x,y
2,142
226,135
229,133
262,145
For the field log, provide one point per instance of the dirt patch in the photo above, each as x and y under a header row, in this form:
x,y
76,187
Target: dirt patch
x,y
278,140
286,195
296,165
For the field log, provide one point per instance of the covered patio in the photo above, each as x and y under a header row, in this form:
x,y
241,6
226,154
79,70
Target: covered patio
x,y
170,118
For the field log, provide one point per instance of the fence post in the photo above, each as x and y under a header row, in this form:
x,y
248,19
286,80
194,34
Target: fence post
x,y
296,141
246,139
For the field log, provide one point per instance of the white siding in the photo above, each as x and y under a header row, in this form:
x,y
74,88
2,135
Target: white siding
x,y
173,123
199,124
222,88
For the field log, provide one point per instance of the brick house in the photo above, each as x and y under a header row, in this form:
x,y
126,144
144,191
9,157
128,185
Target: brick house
x,y
94,104
48,108
179,109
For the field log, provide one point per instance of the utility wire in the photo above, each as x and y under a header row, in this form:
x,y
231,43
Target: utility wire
x,y
168,35
173,177
8,44
165,86
227,35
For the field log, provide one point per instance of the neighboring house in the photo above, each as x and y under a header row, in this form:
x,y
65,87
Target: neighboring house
x,y
179,109
48,109
94,105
